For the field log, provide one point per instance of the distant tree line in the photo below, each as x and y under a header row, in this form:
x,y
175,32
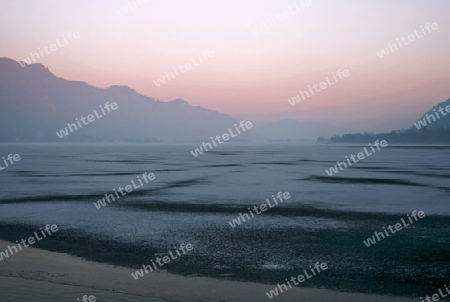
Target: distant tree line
x,y
437,135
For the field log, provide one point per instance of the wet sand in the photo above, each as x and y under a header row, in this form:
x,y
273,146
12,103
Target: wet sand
x,y
39,275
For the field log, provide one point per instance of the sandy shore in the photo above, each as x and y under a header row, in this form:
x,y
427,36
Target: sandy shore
x,y
37,275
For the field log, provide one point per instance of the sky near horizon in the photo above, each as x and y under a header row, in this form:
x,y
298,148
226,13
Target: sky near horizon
x,y
252,75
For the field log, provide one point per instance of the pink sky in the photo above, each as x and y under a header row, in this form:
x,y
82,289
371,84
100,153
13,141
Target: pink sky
x,y
252,75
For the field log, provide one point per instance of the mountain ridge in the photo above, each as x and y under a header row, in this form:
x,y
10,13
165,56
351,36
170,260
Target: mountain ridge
x,y
430,128
440,119
47,103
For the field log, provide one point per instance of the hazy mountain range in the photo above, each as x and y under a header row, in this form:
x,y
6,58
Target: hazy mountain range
x,y
432,128
434,118
35,104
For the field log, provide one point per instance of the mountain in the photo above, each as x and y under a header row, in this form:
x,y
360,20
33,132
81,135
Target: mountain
x,y
432,128
292,130
35,104
438,116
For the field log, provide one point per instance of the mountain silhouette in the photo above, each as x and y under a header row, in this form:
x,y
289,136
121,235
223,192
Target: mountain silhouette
x,y
435,117
35,104
432,128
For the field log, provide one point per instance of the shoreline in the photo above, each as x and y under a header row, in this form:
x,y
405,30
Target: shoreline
x,y
50,276
359,276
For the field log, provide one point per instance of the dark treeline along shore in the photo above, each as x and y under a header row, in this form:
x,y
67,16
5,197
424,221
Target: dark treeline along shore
x,y
436,135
